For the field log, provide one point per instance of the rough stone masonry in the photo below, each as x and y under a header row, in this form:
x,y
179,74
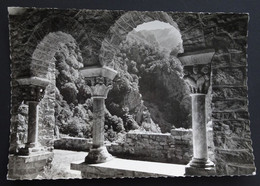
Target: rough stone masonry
x,y
35,36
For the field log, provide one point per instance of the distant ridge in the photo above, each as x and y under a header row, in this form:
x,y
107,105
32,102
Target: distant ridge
x,y
167,39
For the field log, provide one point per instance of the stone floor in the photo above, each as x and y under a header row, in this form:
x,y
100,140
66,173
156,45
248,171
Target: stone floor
x,y
128,168
114,168
61,164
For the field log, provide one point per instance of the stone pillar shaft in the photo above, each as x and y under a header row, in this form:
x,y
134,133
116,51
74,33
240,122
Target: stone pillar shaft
x,y
200,147
32,138
98,120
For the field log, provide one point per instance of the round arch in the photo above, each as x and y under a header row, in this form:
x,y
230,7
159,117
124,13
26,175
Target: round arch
x,y
45,40
125,24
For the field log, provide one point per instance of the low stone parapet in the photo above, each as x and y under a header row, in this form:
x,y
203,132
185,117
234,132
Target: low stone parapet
x,y
174,147
28,167
72,143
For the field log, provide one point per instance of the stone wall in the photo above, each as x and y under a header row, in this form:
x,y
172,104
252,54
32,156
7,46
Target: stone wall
x,y
28,167
232,137
230,119
72,143
174,148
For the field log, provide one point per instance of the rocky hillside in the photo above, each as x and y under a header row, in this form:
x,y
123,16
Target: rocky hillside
x,y
73,109
166,40
149,87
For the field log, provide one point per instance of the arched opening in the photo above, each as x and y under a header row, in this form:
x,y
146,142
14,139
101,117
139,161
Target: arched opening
x,y
72,101
148,86
57,57
144,97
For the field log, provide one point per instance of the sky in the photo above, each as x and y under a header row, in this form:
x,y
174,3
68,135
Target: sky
x,y
153,25
173,37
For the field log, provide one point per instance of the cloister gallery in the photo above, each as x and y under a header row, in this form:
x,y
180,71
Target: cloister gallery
x,y
206,81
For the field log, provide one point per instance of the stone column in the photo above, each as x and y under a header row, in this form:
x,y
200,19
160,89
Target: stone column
x,y
198,79
98,120
32,93
30,160
99,81
32,137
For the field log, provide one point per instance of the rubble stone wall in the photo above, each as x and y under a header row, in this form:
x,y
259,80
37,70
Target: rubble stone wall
x,y
72,143
174,148
231,126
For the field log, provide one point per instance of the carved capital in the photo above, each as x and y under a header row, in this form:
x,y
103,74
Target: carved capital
x,y
98,86
99,80
197,77
92,81
32,93
33,88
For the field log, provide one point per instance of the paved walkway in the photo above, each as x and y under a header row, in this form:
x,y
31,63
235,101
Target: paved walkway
x,y
129,168
116,167
61,164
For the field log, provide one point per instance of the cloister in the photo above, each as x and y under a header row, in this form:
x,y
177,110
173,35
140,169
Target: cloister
x,y
214,68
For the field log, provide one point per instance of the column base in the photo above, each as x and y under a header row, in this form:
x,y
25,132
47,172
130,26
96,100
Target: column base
x,y
98,155
200,167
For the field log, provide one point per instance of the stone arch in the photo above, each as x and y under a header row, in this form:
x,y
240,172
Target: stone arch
x,y
190,27
42,57
43,44
42,65
111,45
37,60
125,24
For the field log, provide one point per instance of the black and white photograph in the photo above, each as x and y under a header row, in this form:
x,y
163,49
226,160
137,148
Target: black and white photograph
x,y
128,94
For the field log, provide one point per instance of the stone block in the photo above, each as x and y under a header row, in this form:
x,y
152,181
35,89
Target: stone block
x,y
232,170
230,128
229,105
178,142
238,57
221,168
180,132
145,136
243,115
178,137
234,58
69,143
234,156
221,59
28,167
229,76
247,170
229,92
238,143
194,43
193,33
